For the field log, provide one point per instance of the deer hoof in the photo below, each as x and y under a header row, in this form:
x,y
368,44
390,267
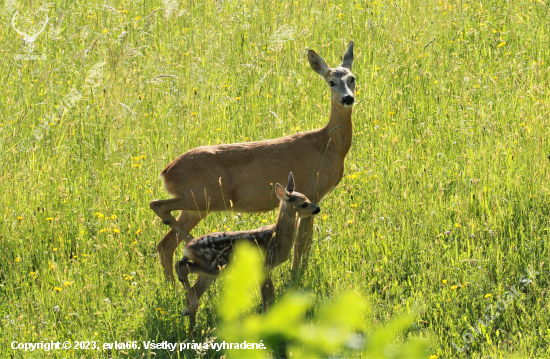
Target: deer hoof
x,y
166,221
185,312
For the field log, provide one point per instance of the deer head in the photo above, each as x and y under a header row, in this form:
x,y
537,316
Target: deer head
x,y
340,79
296,201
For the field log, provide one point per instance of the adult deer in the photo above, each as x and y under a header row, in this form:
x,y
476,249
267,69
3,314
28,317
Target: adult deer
x,y
211,178
211,252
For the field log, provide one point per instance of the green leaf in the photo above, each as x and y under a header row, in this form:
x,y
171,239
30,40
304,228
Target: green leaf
x,y
243,275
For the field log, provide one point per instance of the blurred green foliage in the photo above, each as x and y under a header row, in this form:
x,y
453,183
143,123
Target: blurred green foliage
x,y
337,326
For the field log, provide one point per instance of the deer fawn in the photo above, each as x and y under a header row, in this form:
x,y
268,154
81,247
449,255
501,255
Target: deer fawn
x,y
211,253
239,176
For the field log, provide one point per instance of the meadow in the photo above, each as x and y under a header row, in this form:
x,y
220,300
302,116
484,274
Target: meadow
x,y
442,211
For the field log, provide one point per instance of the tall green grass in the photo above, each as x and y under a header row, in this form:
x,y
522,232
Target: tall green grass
x,y
451,136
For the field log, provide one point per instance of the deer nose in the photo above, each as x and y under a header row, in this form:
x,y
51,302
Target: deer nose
x,y
348,100
317,210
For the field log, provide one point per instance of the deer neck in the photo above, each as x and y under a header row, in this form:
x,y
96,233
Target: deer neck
x,y
285,228
339,128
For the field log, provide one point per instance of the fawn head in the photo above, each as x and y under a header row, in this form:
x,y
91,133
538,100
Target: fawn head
x,y
297,201
340,79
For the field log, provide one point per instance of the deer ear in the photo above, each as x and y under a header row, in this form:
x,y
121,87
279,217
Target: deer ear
x,y
290,184
348,57
280,192
317,63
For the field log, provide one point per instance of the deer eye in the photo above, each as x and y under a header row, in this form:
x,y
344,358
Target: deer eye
x,y
332,84
303,205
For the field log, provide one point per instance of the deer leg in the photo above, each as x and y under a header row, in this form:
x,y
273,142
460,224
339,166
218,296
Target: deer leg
x,y
166,247
302,245
201,285
163,209
267,290
183,269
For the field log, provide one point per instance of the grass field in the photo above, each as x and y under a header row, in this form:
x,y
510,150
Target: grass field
x,y
443,208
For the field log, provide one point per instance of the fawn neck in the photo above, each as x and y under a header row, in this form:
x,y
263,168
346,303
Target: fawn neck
x,y
339,128
285,228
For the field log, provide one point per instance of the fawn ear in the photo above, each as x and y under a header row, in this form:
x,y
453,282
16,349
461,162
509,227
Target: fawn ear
x,y
317,63
348,57
290,184
280,192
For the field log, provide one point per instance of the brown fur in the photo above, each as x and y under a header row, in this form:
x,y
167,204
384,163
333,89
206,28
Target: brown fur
x,y
315,157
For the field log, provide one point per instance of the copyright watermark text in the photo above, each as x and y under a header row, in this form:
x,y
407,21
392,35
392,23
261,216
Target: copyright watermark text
x,y
147,345
29,57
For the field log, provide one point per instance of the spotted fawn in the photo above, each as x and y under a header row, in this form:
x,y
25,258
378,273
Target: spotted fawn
x,y
207,255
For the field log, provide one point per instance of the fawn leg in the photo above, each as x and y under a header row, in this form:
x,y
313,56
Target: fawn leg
x,y
302,245
267,289
183,268
201,285
166,247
